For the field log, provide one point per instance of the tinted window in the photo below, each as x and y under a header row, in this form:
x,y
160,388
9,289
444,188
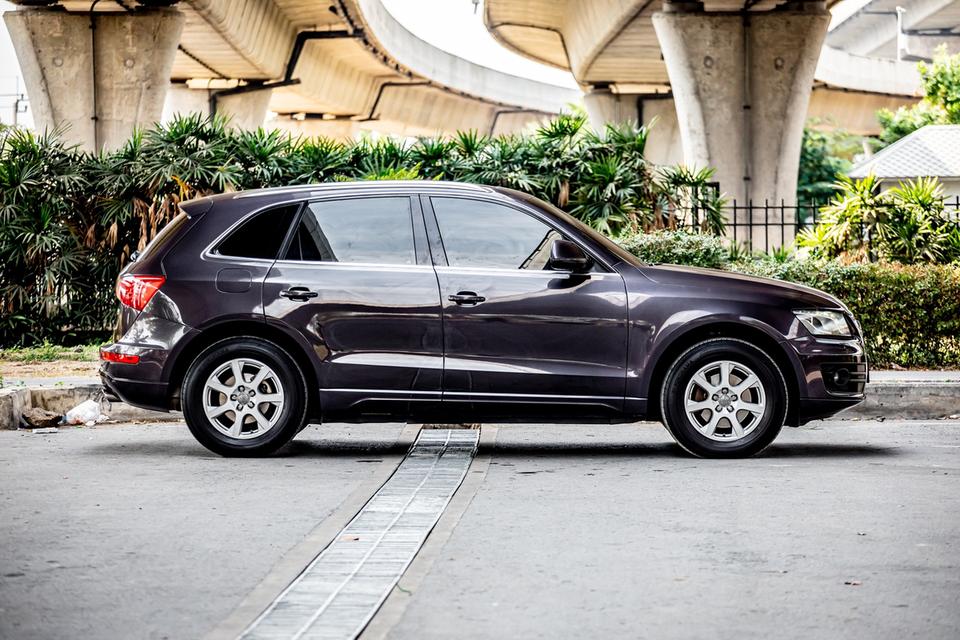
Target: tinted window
x,y
373,230
260,236
485,234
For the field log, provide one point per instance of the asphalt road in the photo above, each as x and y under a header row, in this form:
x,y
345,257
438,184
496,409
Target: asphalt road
x,y
137,532
842,530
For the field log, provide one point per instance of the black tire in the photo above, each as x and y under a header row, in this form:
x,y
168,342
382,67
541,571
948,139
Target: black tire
x,y
292,412
760,430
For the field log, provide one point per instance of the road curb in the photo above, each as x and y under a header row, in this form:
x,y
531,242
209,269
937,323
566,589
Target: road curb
x,y
15,400
902,400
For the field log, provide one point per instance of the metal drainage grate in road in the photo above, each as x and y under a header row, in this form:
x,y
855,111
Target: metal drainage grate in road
x,y
338,593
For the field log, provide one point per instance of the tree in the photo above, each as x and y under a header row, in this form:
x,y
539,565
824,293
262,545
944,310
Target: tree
x,y
940,105
824,155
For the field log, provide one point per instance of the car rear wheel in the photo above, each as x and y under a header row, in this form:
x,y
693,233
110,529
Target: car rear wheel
x,y
244,397
724,398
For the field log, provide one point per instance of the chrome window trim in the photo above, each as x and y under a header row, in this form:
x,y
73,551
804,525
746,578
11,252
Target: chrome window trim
x,y
524,272
357,266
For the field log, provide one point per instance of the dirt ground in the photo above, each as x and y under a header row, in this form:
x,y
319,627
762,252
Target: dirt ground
x,y
54,369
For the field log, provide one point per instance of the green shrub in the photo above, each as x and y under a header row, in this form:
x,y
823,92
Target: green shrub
x,y
70,220
677,247
906,223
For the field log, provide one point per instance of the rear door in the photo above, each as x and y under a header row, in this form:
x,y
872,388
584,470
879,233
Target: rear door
x,y
517,333
356,282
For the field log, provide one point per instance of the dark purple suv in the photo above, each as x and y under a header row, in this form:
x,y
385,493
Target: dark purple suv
x,y
258,312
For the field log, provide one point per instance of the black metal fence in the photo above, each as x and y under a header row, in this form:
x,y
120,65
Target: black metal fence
x,y
766,226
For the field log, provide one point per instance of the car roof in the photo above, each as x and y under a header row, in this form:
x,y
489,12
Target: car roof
x,y
364,186
241,202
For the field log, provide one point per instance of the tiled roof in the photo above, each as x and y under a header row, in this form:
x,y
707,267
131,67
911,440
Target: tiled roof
x,y
933,150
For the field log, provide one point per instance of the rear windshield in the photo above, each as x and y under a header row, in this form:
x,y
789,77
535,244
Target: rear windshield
x,y
168,233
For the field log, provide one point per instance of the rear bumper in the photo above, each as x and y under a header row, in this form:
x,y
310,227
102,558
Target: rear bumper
x,y
146,384
139,393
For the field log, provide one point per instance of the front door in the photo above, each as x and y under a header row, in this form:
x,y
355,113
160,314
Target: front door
x,y
516,333
357,284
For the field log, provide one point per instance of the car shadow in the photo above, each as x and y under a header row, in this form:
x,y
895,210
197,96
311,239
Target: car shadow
x,y
188,447
353,447
673,450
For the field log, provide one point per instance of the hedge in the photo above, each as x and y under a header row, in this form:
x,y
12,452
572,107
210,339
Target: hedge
x,y
69,220
910,313
678,247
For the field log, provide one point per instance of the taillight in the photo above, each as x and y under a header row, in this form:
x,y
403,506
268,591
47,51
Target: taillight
x,y
135,291
122,358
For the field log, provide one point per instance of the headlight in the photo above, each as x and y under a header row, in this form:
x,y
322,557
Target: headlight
x,y
823,322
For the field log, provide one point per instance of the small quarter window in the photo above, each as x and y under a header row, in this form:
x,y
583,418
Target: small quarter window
x,y
261,236
369,230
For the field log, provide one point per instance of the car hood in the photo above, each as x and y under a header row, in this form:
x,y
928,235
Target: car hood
x,y
726,284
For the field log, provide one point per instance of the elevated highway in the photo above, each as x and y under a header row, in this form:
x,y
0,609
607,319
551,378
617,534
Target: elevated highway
x,y
326,66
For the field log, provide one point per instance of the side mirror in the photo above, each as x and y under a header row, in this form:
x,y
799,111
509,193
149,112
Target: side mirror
x,y
567,256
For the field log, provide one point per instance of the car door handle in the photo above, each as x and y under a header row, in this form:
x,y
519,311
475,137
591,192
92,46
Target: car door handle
x,y
301,294
466,297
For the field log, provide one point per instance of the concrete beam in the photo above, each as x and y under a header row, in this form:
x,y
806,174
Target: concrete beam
x,y
841,69
453,72
742,85
97,77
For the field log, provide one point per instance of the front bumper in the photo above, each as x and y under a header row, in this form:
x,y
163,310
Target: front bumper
x,y
835,373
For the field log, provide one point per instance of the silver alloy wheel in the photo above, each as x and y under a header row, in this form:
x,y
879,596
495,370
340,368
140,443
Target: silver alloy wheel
x,y
243,398
725,400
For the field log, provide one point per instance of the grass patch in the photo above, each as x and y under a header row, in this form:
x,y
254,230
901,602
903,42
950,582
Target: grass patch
x,y
47,352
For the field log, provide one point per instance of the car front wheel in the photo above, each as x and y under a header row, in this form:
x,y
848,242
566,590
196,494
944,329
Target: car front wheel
x,y
244,397
724,398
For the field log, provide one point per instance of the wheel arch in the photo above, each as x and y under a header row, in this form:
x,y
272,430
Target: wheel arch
x,y
758,337
241,328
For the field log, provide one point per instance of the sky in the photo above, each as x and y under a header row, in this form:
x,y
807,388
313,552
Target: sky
x,y
455,27
452,25
11,83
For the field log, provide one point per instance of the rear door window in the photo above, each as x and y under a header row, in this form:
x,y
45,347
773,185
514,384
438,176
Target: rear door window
x,y
360,230
261,236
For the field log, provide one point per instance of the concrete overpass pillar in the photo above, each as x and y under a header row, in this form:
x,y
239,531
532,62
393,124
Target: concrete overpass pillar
x,y
98,75
604,106
742,83
246,110
663,145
